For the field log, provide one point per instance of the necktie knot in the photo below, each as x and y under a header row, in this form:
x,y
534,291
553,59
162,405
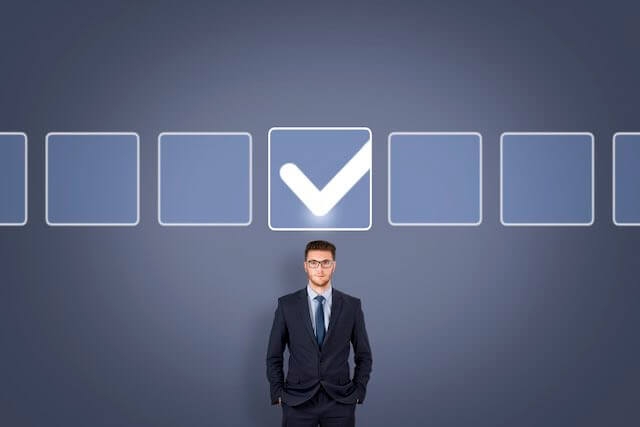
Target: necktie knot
x,y
319,298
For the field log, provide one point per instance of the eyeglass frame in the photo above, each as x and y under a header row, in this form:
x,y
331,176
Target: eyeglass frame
x,y
320,263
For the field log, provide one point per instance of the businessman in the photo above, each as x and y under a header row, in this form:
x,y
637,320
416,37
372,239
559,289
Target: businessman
x,y
318,323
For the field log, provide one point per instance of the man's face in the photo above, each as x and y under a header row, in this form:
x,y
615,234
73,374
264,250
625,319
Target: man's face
x,y
319,275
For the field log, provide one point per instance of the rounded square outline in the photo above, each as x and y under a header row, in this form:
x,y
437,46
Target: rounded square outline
x,y
550,224
91,224
26,181
206,224
432,224
320,228
613,183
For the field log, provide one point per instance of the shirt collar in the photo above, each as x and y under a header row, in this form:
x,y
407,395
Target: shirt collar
x,y
312,294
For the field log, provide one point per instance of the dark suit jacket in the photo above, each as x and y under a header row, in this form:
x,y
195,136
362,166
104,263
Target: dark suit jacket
x,y
311,366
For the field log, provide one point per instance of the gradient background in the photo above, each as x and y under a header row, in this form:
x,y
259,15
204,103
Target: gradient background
x,y
164,326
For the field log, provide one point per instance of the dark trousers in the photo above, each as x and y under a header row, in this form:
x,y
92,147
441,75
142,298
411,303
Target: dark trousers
x,y
320,409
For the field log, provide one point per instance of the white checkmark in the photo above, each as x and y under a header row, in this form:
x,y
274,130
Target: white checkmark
x,y
320,202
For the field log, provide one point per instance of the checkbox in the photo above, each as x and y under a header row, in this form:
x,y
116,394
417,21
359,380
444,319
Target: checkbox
x,y
435,178
546,178
13,179
319,178
204,179
92,179
626,176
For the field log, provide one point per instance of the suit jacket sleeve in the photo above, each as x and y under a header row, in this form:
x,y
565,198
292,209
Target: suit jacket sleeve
x,y
362,353
277,341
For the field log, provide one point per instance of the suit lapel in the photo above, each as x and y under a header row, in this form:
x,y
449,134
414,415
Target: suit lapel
x,y
336,308
303,310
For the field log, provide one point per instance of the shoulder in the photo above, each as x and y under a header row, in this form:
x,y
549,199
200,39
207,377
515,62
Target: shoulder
x,y
347,299
291,297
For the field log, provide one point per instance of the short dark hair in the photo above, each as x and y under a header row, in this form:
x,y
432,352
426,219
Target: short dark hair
x,y
322,245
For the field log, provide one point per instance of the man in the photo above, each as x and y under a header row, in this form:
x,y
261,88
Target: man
x,y
318,323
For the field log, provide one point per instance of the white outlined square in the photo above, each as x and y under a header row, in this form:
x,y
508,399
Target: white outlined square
x,y
269,183
204,224
92,224
432,224
613,183
536,224
26,180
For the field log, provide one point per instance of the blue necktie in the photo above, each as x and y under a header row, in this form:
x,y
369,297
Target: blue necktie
x,y
319,321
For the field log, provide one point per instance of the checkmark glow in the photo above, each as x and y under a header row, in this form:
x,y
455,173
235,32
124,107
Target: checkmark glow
x,y
320,202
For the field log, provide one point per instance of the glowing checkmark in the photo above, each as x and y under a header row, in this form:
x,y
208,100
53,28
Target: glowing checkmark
x,y
320,202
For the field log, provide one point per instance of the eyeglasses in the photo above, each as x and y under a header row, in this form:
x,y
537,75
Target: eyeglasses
x,y
326,263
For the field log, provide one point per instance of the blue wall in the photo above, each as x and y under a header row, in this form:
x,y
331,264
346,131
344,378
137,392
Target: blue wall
x,y
469,326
